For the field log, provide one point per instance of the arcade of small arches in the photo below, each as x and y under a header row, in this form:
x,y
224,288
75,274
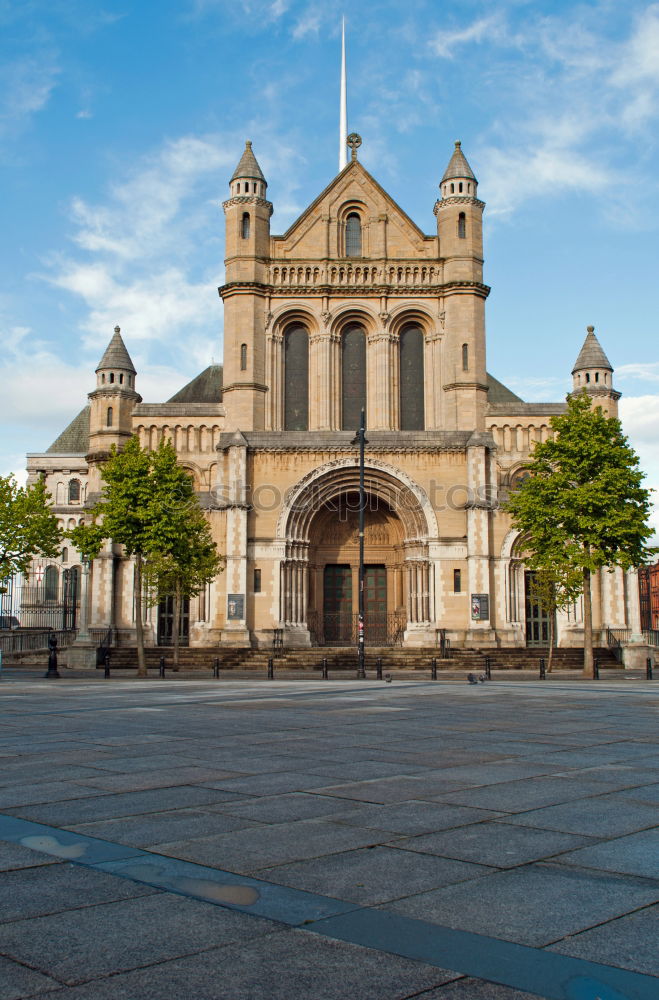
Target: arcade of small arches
x,y
184,437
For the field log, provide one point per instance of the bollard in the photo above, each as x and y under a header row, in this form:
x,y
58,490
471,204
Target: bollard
x,y
52,657
433,669
596,670
543,672
271,669
648,669
325,674
216,667
378,669
488,668
162,666
106,663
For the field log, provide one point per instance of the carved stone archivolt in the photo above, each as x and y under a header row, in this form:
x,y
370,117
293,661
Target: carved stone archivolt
x,y
347,533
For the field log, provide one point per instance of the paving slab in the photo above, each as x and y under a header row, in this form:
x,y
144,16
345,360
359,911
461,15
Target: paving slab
x,y
17,981
412,817
628,943
603,816
157,778
534,793
637,854
118,936
476,989
397,789
280,966
283,808
152,828
534,905
14,856
267,784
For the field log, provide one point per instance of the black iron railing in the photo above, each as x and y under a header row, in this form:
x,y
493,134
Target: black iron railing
x,y
33,639
341,629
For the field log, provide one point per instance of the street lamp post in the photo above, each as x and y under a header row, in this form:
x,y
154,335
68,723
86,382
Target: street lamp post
x,y
361,440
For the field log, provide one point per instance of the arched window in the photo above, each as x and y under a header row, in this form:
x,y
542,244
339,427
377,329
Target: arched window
x,y
51,583
353,235
353,376
244,227
243,357
109,417
411,379
112,376
465,357
296,379
74,491
65,554
462,225
121,379
587,376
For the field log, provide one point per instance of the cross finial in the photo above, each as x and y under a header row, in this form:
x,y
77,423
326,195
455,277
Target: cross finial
x,y
354,141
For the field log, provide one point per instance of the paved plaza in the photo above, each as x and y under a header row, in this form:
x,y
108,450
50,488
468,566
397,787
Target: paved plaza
x,y
337,840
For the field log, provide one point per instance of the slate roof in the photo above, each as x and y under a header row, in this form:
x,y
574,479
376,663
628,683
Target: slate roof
x,y
499,393
204,388
247,166
116,355
458,166
74,439
591,354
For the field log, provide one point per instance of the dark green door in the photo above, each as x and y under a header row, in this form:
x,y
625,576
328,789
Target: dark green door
x,y
337,605
166,619
375,605
537,620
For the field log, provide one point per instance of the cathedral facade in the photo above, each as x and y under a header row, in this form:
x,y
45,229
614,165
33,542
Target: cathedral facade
x,y
354,307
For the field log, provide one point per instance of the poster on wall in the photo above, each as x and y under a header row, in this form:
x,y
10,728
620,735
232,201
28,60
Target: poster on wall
x,y
235,607
480,607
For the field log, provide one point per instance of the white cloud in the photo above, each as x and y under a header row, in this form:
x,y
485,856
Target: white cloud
x,y
645,371
309,23
25,88
445,42
640,421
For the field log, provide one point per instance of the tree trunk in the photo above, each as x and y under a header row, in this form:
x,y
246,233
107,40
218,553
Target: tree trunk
x,y
552,626
176,622
588,665
139,629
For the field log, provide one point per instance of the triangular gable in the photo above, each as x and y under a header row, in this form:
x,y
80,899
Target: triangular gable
x,y
356,182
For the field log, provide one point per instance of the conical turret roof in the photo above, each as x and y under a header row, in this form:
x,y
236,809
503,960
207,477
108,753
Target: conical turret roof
x,y
116,355
248,167
458,166
591,354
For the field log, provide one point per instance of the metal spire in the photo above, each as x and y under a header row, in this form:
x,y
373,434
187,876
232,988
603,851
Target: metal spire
x,y
343,113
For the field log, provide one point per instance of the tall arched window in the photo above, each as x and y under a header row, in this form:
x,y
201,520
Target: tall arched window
x,y
74,491
353,376
296,379
353,235
411,379
465,357
462,226
244,226
51,583
243,357
109,419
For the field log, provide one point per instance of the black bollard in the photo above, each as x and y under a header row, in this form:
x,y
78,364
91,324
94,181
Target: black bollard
x,y
433,669
106,663
271,669
216,667
596,670
325,674
543,671
378,669
488,668
52,657
648,669
162,666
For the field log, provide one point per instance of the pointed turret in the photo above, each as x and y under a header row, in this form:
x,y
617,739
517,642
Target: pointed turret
x,y
112,401
115,361
458,170
594,372
248,177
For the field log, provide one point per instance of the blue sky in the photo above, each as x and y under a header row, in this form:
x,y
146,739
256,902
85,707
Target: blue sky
x,y
121,122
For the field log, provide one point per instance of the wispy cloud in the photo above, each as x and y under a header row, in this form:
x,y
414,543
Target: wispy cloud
x,y
645,371
26,85
444,43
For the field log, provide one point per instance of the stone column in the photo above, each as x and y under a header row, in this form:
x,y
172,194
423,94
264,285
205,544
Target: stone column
x,y
478,514
236,631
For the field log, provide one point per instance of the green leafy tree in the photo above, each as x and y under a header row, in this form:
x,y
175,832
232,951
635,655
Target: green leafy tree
x,y
583,505
28,526
554,589
145,504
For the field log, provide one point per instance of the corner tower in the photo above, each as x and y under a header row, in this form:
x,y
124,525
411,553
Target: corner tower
x,y
247,225
460,230
593,372
112,401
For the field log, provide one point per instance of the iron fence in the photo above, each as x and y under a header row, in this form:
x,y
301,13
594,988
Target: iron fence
x,y
342,629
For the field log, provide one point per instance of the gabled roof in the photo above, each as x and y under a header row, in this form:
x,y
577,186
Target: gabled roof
x,y
499,393
74,439
116,355
458,166
357,167
248,166
591,354
204,388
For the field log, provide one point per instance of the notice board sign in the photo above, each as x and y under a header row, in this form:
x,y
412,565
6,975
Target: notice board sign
x,y
480,607
235,607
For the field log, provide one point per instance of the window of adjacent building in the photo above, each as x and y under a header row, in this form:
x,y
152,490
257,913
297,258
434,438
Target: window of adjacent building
x,y
457,581
65,555
353,235
244,228
74,491
109,417
51,583
411,379
465,357
243,357
462,226
257,581
296,378
353,376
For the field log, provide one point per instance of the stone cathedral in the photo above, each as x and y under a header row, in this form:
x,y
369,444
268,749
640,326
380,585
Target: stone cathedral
x,y
353,307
